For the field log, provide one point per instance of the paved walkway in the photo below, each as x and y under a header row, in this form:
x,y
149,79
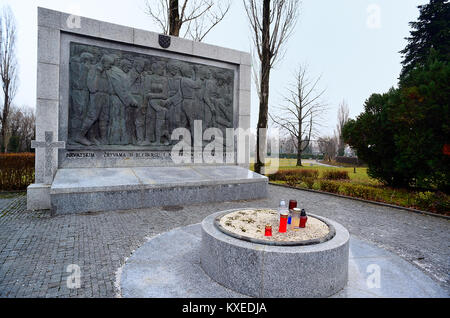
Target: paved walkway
x,y
176,272
37,248
310,162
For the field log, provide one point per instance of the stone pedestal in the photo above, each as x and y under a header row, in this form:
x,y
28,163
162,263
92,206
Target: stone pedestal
x,y
104,189
38,196
260,270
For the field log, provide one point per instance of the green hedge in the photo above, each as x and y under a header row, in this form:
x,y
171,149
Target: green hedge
x,y
16,171
335,175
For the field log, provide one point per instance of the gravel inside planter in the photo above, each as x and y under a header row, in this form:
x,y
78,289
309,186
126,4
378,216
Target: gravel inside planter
x,y
249,225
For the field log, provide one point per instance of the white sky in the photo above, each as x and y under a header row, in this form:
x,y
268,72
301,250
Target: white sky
x,y
336,39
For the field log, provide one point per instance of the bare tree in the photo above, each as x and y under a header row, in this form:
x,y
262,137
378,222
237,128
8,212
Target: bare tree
x,y
328,146
8,69
287,144
198,16
343,116
22,128
272,23
301,115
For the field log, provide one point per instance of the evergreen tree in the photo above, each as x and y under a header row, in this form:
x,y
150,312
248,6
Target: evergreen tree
x,y
403,134
431,30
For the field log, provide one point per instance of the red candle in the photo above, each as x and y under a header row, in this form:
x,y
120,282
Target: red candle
x,y
283,223
303,218
268,231
292,204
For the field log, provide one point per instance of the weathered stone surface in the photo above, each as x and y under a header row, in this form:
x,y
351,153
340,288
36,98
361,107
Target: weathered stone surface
x,y
49,146
245,76
244,103
45,121
38,196
47,81
144,38
48,45
116,32
103,189
49,18
81,25
246,59
180,45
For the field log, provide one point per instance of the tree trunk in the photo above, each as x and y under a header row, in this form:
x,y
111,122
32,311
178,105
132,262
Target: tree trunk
x,y
264,89
5,124
5,137
3,145
299,151
174,18
300,126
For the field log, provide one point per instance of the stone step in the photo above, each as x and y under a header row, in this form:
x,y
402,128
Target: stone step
x,y
105,189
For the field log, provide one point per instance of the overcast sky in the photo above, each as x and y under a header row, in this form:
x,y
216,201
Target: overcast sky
x,y
352,44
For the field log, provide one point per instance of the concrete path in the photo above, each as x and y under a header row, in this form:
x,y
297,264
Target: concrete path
x,y
310,162
36,249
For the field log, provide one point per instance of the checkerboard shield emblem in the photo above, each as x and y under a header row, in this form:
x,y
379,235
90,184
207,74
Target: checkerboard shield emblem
x,y
164,41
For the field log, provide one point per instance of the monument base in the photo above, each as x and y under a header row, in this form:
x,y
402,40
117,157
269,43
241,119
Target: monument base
x,y
106,189
38,196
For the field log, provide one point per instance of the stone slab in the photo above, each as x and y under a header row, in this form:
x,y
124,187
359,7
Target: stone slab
x,y
105,189
167,265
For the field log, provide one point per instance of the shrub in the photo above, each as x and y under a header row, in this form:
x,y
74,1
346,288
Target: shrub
x,y
282,175
309,181
361,191
433,201
16,171
292,180
335,175
329,186
424,199
308,173
442,203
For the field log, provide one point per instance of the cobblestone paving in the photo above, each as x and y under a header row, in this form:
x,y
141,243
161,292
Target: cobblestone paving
x,y
36,248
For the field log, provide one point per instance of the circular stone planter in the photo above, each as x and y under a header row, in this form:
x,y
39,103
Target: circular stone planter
x,y
245,237
267,270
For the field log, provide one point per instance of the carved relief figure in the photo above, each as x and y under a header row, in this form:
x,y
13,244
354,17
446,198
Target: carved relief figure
x,y
189,105
79,67
175,97
222,97
121,99
130,100
137,79
99,102
159,93
130,127
205,96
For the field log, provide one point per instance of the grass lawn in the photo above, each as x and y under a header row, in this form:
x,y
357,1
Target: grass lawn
x,y
359,177
358,185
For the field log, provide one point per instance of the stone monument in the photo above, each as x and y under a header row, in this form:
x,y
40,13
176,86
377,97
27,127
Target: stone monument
x,y
125,105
